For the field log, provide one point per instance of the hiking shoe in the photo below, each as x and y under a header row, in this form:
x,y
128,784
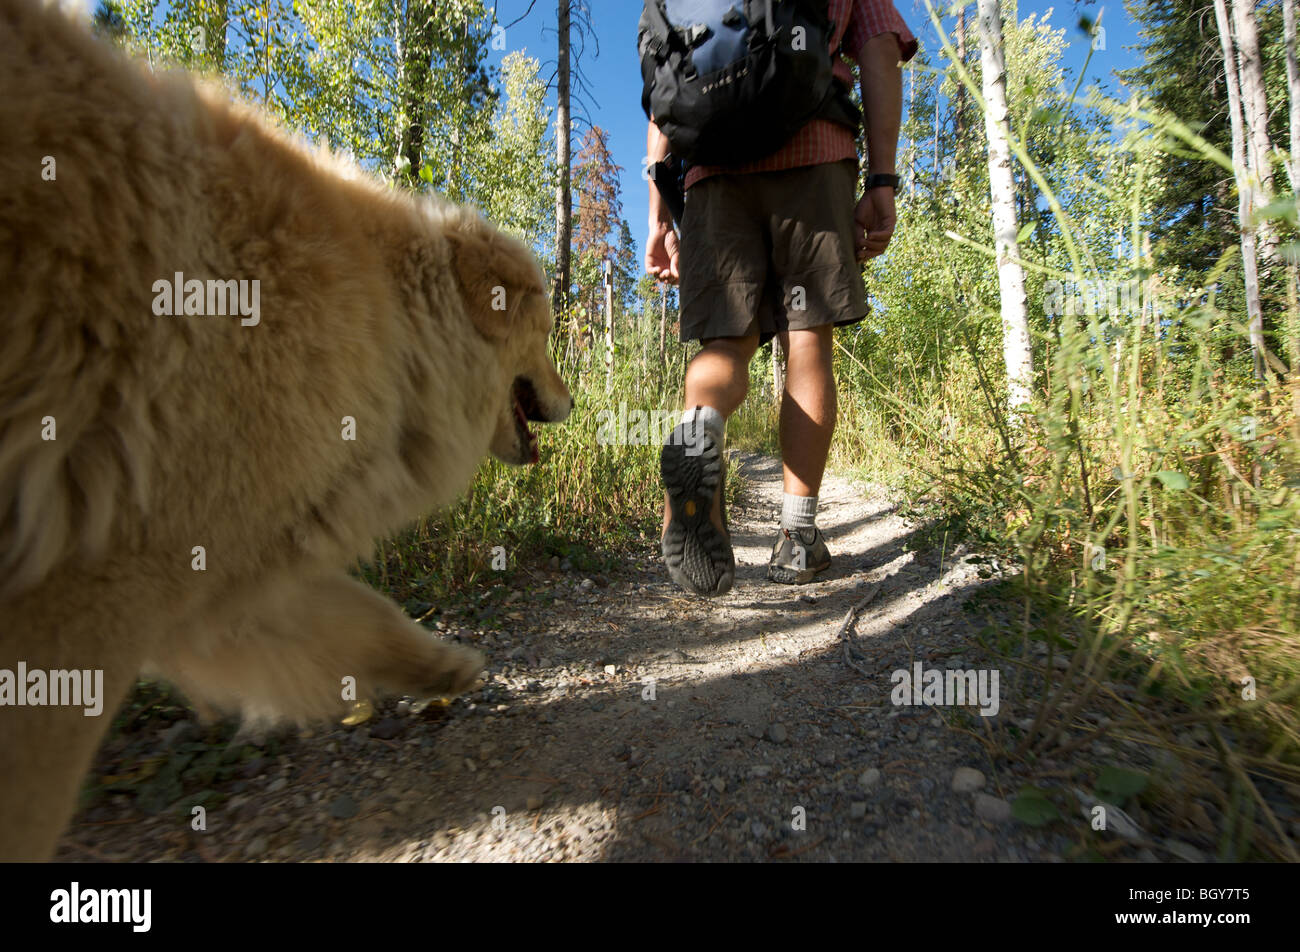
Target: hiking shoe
x,y
798,555
696,546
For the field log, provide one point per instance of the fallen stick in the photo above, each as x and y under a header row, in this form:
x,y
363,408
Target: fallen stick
x,y
845,635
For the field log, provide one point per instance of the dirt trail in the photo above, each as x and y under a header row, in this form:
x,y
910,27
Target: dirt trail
x,y
724,726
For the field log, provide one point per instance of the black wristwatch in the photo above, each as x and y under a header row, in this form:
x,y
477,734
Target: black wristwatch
x,y
879,179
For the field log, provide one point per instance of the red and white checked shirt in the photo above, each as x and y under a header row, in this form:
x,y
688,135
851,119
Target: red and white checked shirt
x,y
854,22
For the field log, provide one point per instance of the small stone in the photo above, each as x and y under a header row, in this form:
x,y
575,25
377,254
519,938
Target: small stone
x,y
991,809
440,840
387,729
587,585
868,779
403,708
344,808
533,803
760,770
967,780
826,757
276,785
719,784
777,733
611,669
857,809
311,841
256,847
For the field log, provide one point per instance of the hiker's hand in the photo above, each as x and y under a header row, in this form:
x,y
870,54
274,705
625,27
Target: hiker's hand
x,y
873,222
661,252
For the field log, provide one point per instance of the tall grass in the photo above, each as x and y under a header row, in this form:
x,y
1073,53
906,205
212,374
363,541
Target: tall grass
x,y
1150,498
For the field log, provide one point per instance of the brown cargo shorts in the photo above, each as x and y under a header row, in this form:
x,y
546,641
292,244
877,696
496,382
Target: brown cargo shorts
x,y
766,252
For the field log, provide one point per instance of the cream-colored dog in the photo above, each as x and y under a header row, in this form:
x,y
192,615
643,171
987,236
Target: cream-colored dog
x,y
229,363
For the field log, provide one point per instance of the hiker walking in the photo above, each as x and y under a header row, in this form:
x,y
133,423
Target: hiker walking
x,y
753,148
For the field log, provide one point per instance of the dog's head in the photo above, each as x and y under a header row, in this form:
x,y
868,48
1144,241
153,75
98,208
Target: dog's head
x,y
504,292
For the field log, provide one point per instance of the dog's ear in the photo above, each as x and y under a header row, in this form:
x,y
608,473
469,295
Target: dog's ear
x,y
495,271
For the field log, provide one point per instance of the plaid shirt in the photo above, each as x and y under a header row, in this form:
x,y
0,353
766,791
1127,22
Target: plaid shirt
x,y
820,141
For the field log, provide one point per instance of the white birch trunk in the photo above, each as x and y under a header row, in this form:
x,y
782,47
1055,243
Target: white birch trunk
x,y
1293,90
1245,194
1293,173
1016,347
1254,111
563,192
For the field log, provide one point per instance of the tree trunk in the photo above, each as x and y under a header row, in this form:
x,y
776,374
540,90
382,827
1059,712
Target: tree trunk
x,y
1245,194
217,34
959,108
1293,173
1016,347
1254,110
415,34
609,323
563,196
663,323
778,371
1293,90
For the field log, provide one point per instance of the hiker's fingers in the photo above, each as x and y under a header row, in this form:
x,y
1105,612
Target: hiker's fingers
x,y
877,241
661,255
860,242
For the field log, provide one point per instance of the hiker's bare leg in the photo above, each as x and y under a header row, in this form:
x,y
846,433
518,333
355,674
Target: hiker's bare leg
x,y
807,408
718,377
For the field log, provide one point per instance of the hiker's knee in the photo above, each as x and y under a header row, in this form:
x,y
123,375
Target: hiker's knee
x,y
736,349
811,340
810,356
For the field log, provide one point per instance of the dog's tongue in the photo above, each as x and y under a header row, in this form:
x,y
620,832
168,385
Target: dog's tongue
x,y
533,454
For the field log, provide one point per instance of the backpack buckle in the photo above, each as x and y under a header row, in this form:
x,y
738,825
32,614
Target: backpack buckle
x,y
693,35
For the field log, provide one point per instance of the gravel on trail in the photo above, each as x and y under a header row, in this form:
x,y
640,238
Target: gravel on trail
x,y
624,720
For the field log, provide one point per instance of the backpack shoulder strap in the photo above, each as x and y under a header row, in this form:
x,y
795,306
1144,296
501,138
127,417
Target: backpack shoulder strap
x,y
660,35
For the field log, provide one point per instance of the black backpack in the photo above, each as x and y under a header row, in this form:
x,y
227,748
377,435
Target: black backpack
x,y
730,81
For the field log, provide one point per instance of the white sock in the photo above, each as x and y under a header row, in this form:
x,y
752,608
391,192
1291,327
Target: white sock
x,y
798,512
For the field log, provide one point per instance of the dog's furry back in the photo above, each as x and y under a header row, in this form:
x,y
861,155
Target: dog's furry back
x,y
177,432
156,177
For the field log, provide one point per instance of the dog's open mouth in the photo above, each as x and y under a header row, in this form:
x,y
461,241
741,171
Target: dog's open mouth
x,y
526,408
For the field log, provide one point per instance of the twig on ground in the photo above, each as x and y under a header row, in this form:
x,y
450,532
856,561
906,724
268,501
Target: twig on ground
x,y
845,635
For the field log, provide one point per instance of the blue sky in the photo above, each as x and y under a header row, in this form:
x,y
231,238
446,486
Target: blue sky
x,y
613,76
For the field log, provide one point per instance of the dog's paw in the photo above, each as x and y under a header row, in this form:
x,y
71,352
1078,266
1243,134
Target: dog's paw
x,y
448,671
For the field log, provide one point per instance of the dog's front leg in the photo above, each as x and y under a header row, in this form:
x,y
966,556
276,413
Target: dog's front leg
x,y
299,649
